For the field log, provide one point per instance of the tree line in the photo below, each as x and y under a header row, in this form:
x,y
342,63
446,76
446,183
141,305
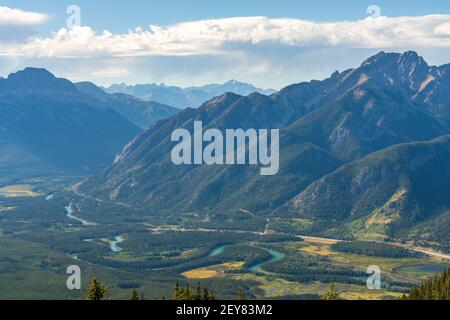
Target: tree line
x,y
99,291
436,288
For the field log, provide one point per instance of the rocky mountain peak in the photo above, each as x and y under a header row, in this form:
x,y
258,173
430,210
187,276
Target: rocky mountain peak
x,y
401,70
32,73
36,80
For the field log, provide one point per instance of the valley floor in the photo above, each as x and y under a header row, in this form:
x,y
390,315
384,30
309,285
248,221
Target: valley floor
x,y
44,228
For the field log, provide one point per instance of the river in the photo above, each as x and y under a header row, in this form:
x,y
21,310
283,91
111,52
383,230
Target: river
x,y
70,215
114,245
217,251
275,256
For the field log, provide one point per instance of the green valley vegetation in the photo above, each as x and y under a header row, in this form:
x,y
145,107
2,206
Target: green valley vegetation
x,y
374,249
436,288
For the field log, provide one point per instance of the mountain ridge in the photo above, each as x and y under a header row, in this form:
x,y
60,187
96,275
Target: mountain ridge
x,y
400,187
324,125
185,97
342,115
51,124
141,113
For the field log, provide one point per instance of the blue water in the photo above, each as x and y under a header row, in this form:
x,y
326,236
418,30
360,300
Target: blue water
x,y
276,256
49,197
114,245
217,251
69,214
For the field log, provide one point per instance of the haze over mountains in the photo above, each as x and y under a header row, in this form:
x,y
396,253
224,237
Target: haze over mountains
x,y
351,163
185,97
363,153
141,113
51,123
48,123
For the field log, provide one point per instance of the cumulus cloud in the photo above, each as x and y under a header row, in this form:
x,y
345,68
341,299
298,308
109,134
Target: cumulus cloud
x,y
215,36
17,25
16,17
262,50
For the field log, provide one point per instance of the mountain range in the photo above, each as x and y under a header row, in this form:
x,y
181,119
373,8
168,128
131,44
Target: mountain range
x,y
185,97
49,122
363,154
141,113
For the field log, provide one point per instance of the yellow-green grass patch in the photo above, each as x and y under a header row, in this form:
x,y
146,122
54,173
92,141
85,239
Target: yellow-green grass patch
x,y
17,191
319,240
212,271
319,250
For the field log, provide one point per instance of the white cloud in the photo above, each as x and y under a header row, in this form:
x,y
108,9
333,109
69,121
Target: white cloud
x,y
443,29
17,17
217,36
16,26
267,52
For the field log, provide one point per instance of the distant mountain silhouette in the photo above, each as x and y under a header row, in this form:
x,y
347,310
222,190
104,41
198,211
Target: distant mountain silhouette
x,y
185,97
47,122
140,112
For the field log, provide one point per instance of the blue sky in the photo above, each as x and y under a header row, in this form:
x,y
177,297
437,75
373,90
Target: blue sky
x,y
119,16
317,38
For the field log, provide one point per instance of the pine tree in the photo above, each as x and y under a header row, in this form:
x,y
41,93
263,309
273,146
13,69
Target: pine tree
x,y
188,293
436,288
180,293
97,291
331,294
134,295
198,292
176,291
240,294
205,293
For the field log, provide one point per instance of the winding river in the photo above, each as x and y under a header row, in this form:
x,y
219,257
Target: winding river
x,y
69,213
217,251
274,257
114,245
